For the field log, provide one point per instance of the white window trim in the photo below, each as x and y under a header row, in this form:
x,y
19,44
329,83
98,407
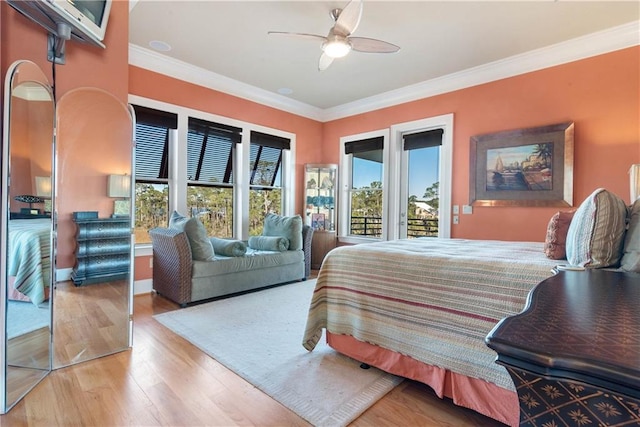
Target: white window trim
x,y
444,122
345,186
178,162
392,153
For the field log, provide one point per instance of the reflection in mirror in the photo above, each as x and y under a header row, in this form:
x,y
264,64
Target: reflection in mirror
x,y
26,272
94,234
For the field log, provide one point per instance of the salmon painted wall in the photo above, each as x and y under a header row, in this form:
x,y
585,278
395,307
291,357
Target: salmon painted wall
x,y
601,95
86,66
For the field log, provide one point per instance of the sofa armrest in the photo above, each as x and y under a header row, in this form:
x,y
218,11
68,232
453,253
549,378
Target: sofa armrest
x,y
307,236
172,264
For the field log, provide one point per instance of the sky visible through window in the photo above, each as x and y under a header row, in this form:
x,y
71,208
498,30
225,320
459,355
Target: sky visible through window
x,y
423,171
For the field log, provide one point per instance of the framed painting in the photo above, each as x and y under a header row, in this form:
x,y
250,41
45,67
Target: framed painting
x,y
523,167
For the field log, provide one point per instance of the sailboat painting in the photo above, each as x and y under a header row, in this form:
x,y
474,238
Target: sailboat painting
x,y
520,168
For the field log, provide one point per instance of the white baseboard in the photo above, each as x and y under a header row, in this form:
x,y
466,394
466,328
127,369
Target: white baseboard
x,y
63,274
144,286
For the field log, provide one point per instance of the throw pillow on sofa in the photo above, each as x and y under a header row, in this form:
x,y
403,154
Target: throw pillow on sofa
x,y
289,227
597,230
269,243
201,249
228,247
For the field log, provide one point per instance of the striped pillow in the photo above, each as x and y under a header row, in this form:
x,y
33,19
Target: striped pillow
x,y
596,232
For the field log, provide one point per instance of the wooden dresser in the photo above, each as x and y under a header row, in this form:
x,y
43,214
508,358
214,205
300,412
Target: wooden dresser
x,y
103,248
574,352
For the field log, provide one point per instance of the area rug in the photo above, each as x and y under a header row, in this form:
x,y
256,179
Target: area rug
x,y
259,337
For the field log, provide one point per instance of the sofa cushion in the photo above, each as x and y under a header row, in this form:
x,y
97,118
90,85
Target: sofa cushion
x,y
228,247
269,243
631,253
252,260
596,233
555,242
289,227
201,249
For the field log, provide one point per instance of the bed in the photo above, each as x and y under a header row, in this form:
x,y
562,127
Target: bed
x,y
29,262
421,308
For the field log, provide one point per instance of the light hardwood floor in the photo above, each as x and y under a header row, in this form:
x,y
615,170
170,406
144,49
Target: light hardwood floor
x,y
164,380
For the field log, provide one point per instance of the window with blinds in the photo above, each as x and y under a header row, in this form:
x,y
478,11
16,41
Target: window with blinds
x,y
153,135
365,186
265,179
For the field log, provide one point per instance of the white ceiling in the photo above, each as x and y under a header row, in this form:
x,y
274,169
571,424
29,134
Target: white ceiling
x,y
228,39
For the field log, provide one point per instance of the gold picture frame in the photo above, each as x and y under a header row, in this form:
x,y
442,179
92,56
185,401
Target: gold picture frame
x,y
523,167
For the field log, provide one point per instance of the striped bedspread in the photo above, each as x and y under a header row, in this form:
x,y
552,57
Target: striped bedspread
x,y
29,256
434,300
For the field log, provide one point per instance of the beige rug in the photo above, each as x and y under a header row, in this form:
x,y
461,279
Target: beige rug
x,y
259,337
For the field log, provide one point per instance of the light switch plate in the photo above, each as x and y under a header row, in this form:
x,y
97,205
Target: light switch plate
x,y
456,209
467,209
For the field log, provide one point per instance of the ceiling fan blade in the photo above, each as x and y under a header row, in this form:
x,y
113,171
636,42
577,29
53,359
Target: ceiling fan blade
x,y
364,44
325,61
349,18
297,35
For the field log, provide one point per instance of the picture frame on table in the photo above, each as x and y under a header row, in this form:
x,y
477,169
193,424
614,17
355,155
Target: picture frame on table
x,y
317,221
523,167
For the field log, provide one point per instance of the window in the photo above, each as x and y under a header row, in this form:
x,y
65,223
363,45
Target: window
x,y
225,172
210,183
153,135
265,177
396,183
365,203
421,157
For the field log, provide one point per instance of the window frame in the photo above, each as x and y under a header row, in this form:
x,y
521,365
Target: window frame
x,y
346,162
392,152
177,179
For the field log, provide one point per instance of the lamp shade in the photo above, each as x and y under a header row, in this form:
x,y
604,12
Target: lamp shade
x,y
119,186
43,186
634,182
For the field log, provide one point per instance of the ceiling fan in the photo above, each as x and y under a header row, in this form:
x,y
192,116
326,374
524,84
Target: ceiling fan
x,y
338,42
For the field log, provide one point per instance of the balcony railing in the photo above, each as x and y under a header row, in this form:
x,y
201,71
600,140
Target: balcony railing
x,y
372,226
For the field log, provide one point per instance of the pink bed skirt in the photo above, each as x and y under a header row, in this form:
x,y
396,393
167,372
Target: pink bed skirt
x,y
479,395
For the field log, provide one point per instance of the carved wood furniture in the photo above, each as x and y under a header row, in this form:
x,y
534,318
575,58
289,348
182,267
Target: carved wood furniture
x,y
574,352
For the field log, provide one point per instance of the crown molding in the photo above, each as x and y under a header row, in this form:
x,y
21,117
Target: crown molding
x,y
153,61
594,44
598,43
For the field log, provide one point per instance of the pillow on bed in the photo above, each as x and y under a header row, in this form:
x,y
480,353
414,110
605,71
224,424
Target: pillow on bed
x,y
269,243
289,227
201,249
631,253
228,247
555,242
597,230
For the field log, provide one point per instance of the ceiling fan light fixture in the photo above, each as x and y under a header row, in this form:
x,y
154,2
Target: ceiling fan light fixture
x,y
336,48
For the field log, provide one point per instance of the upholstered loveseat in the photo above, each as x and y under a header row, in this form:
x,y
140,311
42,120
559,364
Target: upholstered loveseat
x,y
234,266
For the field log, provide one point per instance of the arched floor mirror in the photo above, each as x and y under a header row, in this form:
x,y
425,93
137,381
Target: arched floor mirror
x,y
92,310
26,231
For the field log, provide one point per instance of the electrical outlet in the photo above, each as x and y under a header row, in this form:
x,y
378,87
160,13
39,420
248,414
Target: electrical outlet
x,y
455,219
456,209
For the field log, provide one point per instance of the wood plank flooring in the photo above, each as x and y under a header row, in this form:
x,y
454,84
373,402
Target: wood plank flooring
x,y
164,380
